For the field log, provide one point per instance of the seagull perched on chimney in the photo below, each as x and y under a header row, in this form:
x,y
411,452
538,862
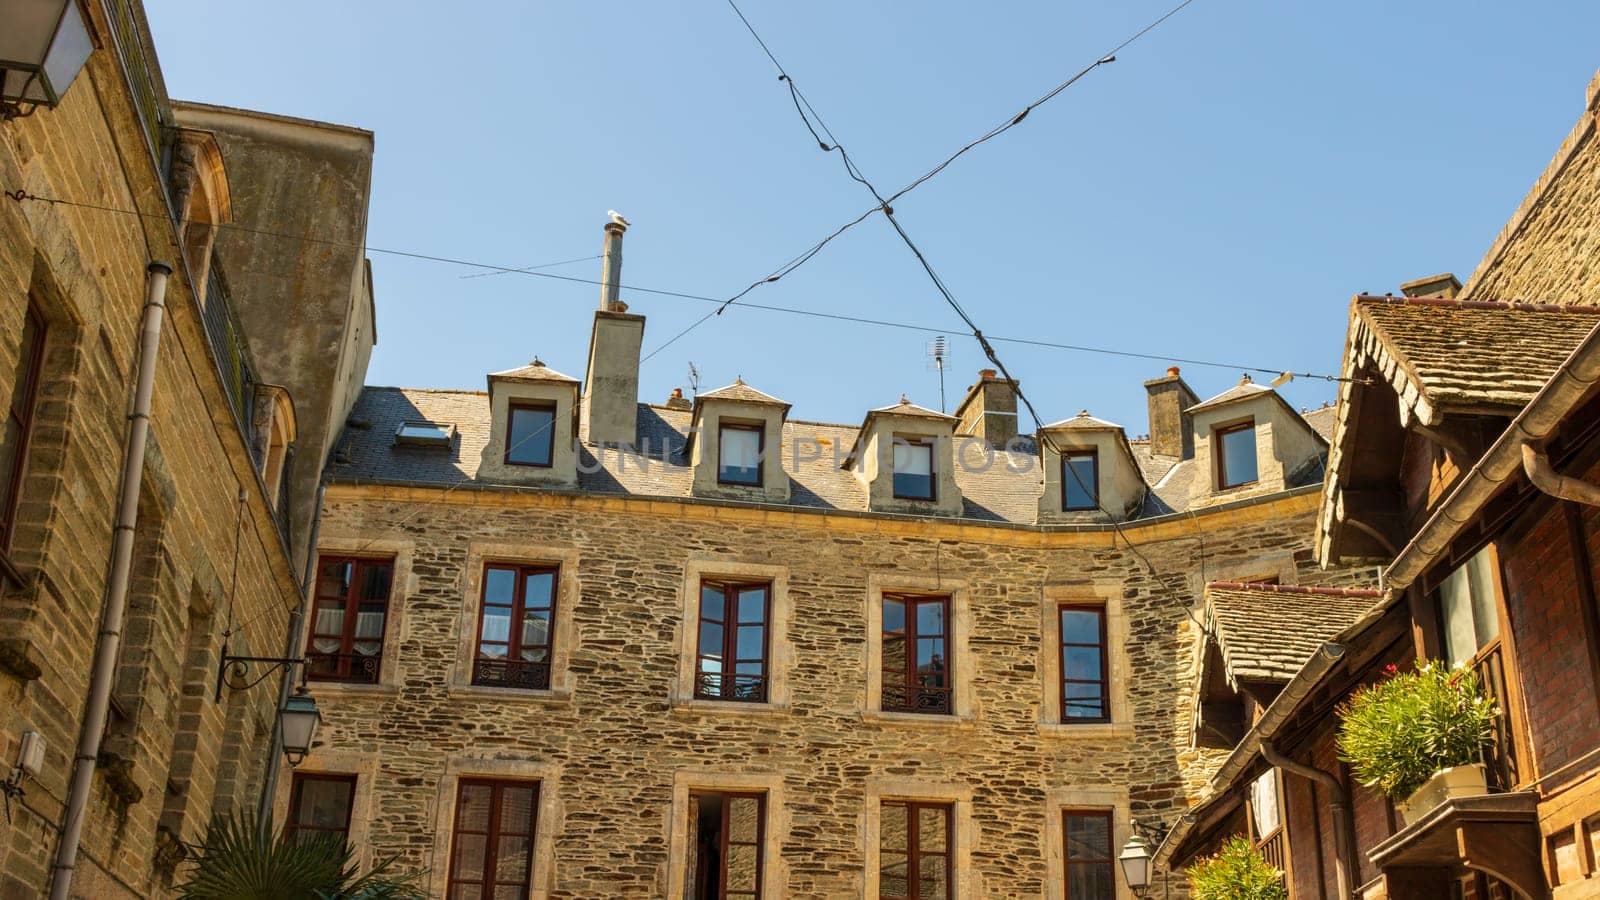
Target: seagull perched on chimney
x,y
617,218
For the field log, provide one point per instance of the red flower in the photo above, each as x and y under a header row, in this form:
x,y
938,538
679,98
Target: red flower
x,y
1391,669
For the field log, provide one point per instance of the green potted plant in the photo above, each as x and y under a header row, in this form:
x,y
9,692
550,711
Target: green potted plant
x,y
1419,736
1236,872
244,859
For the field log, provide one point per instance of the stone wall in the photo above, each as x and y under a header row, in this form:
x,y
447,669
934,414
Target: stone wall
x,y
1546,253
617,742
173,757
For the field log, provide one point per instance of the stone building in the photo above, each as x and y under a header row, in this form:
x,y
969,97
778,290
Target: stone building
x,y
604,648
239,429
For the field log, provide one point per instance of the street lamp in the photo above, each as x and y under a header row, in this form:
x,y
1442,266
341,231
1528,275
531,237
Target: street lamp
x,y
1135,862
298,719
42,47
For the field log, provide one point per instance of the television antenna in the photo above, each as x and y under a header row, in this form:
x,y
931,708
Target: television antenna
x,y
694,380
938,356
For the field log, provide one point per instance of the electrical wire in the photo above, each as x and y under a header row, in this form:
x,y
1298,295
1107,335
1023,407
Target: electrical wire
x,y
526,269
977,334
20,195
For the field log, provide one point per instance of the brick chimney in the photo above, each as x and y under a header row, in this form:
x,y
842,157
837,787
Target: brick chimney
x,y
989,410
1171,430
1443,286
610,407
678,401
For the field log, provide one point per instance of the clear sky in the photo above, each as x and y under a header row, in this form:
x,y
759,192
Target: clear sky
x,y
1218,193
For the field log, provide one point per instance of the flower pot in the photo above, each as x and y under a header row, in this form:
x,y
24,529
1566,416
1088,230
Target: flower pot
x,y
1456,781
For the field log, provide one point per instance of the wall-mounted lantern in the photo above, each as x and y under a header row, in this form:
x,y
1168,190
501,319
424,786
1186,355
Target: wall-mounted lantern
x,y
299,717
1135,862
43,46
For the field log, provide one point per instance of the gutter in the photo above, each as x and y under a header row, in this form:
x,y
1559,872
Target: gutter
x,y
1501,463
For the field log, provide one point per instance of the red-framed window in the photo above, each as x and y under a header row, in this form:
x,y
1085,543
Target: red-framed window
x,y
915,858
531,434
731,656
917,672
726,859
319,806
348,619
1085,679
491,843
1087,854
18,425
1080,479
516,626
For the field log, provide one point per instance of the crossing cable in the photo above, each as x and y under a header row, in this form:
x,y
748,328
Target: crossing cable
x,y
20,196
949,298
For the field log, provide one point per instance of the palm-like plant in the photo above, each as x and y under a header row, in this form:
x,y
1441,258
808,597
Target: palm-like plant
x,y
243,859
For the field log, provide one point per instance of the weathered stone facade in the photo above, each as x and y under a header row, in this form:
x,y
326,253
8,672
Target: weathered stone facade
x,y
210,563
615,735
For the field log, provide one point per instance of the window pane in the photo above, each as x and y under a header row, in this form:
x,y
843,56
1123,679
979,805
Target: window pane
x,y
1080,626
932,828
933,876
892,881
751,642
739,455
535,629
335,580
930,618
1238,455
473,814
1455,602
742,867
499,585
1486,622
711,603
1078,482
892,825
369,620
511,859
324,803
753,605
330,618
1090,881
711,640
1083,701
539,589
930,662
1088,837
471,850
894,615
496,624
1080,663
375,581
10,457
531,436
913,470
516,810
1264,802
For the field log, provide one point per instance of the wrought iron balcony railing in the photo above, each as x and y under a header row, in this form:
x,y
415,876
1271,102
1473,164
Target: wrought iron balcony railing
x,y
513,673
352,667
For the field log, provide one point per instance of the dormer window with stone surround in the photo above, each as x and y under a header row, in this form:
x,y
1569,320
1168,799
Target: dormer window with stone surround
x,y
1248,441
531,435
904,456
1090,472
735,445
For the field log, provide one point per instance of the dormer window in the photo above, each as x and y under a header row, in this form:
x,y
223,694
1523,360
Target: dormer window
x,y
913,468
1080,480
1236,455
425,434
531,435
739,452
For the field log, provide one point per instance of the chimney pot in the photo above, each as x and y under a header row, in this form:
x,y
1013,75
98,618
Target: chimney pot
x,y
987,373
1172,371
677,400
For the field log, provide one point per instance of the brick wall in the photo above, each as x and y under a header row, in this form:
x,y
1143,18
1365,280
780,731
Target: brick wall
x,y
617,741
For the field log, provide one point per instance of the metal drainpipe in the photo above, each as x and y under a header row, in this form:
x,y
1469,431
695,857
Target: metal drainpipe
x,y
104,666
1564,487
297,619
1338,804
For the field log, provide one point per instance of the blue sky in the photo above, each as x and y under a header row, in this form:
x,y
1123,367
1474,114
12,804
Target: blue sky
x,y
1218,193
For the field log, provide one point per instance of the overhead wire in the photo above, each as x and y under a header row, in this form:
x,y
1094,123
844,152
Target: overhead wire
x,y
20,195
949,297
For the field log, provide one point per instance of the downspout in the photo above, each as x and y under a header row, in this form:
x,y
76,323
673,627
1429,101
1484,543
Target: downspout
x,y
104,666
1544,477
1338,804
291,650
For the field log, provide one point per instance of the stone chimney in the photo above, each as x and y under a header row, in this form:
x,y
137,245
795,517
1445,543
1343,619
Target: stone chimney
x,y
676,400
1443,286
989,410
610,407
1171,429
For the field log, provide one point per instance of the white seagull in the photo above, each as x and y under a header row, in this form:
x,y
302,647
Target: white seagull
x,y
617,218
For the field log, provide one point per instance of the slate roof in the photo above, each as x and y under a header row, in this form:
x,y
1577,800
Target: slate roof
x,y
1241,391
1322,420
533,371
1267,632
1084,422
1006,491
1470,355
743,393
